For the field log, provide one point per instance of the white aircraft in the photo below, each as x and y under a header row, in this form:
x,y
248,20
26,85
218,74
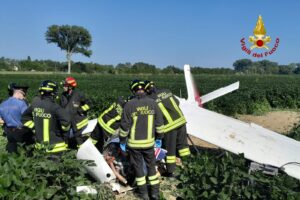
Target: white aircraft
x,y
255,142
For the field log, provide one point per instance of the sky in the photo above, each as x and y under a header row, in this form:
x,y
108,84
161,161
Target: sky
x,y
160,32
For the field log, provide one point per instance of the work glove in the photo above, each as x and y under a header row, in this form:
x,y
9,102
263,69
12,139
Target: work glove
x,y
123,147
158,143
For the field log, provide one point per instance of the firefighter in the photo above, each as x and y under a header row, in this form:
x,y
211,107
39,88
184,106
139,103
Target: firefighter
x,y
141,120
175,136
48,119
77,105
109,122
11,111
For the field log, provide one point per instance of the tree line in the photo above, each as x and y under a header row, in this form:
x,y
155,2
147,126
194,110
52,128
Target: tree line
x,y
242,66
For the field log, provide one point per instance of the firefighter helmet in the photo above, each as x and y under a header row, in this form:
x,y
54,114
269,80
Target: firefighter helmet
x,y
136,85
149,86
48,87
70,82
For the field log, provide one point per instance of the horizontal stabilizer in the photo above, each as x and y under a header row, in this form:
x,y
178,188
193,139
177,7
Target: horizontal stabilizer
x,y
220,92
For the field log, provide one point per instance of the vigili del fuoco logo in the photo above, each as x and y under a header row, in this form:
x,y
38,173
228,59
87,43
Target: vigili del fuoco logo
x,y
260,40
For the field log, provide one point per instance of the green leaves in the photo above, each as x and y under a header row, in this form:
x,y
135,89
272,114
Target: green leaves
x,y
39,177
225,176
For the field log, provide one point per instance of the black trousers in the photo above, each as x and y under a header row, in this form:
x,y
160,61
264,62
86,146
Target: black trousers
x,y
137,158
172,141
17,136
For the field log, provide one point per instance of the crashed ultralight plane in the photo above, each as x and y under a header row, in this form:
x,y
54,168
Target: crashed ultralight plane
x,y
258,144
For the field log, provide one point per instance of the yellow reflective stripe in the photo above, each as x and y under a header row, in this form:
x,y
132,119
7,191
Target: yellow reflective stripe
x,y
175,106
171,159
132,132
65,128
160,129
46,130
82,123
113,120
151,178
46,88
141,141
85,107
134,85
123,133
177,123
184,152
141,145
102,123
150,127
29,124
154,182
165,112
107,128
140,180
58,147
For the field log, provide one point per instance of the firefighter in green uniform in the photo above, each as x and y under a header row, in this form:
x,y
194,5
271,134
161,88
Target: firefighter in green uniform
x,y
141,120
48,120
77,105
175,136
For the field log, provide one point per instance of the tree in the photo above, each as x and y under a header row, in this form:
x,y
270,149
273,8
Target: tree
x,y
242,65
72,39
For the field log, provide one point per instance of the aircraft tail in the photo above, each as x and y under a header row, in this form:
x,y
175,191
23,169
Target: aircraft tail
x,y
193,93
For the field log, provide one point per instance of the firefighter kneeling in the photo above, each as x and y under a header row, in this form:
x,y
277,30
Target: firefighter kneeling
x,y
141,119
48,119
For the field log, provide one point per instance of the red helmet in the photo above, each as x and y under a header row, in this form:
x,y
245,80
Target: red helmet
x,y
70,81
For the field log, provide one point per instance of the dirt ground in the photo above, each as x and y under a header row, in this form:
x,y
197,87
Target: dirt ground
x,y
278,121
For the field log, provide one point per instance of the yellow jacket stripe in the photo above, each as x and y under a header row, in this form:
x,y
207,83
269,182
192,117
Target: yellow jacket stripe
x,y
106,126
123,133
150,126
132,132
160,129
46,130
65,128
29,124
175,124
172,124
85,107
165,112
83,123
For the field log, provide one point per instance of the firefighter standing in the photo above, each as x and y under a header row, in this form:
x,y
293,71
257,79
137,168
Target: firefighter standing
x,y
48,119
141,119
175,136
11,111
77,105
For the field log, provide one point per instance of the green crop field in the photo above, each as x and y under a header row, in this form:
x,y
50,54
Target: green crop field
x,y
210,175
257,94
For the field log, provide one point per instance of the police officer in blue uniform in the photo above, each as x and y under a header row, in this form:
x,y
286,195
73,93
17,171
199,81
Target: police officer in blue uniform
x,y
11,111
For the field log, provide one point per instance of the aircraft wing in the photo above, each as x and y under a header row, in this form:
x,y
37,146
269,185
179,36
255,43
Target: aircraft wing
x,y
255,142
